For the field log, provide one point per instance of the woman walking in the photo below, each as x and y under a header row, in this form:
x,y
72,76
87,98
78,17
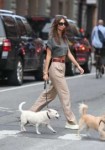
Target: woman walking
x,y
57,50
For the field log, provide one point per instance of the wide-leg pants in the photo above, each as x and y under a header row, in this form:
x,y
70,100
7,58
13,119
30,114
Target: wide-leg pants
x,y
58,86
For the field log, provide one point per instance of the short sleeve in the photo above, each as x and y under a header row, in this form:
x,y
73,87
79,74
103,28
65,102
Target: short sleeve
x,y
49,43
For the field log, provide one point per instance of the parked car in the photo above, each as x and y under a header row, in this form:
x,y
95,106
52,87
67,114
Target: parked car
x,y
19,53
40,24
80,48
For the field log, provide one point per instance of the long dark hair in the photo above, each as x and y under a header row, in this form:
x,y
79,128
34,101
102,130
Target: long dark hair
x,y
54,29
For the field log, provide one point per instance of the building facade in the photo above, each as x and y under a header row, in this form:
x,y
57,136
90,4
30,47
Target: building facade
x,y
84,12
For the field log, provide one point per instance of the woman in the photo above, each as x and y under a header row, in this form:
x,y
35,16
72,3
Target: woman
x,y
57,50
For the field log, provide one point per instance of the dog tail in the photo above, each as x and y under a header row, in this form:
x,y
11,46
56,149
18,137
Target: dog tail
x,y
20,106
83,109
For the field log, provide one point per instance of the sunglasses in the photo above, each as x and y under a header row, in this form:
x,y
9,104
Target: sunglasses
x,y
62,23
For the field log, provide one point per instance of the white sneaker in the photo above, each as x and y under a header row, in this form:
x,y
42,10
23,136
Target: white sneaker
x,y
71,126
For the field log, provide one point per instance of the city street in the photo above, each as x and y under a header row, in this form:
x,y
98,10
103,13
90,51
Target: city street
x,y
83,88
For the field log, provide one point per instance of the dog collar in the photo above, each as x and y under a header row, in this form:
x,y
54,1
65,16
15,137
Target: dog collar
x,y
48,115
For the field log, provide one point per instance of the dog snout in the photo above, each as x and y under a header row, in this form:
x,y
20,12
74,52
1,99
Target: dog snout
x,y
57,117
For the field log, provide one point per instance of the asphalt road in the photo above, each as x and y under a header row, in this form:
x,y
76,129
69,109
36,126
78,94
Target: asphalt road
x,y
85,88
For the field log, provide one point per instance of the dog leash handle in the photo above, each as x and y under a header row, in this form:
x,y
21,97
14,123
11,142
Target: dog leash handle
x,y
45,84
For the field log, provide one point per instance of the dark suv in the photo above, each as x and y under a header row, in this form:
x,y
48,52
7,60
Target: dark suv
x,y
19,52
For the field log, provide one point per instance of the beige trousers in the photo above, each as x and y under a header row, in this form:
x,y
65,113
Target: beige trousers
x,y
58,86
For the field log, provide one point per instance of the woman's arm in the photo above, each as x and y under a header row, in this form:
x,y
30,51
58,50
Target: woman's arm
x,y
71,57
46,65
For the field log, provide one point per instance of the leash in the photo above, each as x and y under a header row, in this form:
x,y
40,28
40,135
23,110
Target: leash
x,y
45,87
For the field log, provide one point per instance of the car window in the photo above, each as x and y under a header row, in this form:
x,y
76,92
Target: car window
x,y
2,33
37,23
21,27
45,31
10,26
46,28
27,27
73,30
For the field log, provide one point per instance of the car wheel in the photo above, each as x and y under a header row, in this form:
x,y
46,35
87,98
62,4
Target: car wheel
x,y
16,76
88,65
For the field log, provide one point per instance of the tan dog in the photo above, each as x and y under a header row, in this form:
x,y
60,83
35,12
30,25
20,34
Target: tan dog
x,y
89,121
37,118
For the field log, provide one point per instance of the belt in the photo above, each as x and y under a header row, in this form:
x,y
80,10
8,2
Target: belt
x,y
58,60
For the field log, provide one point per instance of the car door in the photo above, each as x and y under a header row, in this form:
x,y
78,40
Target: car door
x,y
25,44
35,56
31,45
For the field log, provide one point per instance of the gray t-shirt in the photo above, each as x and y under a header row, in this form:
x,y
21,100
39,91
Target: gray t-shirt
x,y
56,49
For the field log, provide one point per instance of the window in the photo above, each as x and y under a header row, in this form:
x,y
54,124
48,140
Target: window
x,y
2,33
73,31
21,28
10,26
28,28
38,23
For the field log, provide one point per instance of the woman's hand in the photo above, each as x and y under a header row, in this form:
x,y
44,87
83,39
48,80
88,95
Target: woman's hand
x,y
45,77
71,57
80,69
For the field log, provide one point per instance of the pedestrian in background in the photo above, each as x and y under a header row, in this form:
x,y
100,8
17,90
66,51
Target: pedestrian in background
x,y
57,50
96,41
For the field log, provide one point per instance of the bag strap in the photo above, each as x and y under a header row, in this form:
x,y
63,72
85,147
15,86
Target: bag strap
x,y
100,35
100,31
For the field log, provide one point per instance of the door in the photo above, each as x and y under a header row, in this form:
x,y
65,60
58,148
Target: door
x,y
25,47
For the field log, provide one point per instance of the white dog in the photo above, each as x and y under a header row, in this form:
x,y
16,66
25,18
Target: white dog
x,y
37,118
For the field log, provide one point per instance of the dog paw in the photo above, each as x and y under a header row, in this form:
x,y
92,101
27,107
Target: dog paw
x,y
54,131
23,130
38,133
